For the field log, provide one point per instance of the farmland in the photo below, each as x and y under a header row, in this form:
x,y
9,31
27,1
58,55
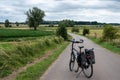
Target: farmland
x,y
19,34
17,42
35,34
20,46
16,33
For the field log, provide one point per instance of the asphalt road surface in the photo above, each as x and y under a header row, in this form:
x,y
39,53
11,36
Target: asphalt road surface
x,y
107,65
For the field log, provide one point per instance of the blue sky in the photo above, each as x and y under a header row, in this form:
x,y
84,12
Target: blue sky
x,y
79,10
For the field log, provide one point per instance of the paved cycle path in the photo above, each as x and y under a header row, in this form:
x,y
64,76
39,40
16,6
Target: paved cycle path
x,y
107,65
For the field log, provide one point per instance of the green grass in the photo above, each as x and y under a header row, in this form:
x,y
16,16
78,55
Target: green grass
x,y
25,52
18,33
36,71
7,46
106,45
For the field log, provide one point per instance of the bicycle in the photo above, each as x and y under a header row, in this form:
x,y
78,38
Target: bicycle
x,y
85,60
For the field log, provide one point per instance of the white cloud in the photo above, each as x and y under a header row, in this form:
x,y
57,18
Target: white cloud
x,y
34,1
93,10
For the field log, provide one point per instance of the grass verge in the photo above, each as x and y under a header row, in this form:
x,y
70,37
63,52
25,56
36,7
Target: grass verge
x,y
106,45
37,70
11,60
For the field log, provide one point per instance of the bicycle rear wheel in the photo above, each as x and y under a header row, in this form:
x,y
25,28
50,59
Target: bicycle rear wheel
x,y
88,69
72,62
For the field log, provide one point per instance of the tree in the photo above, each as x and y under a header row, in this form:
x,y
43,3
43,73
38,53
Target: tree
x,y
109,32
17,24
7,23
62,31
34,17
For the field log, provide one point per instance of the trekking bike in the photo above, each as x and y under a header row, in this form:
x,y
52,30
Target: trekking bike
x,y
84,60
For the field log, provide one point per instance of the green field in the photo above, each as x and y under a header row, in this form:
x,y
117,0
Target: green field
x,y
16,33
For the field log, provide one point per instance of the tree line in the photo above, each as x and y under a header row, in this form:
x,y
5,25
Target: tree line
x,y
75,22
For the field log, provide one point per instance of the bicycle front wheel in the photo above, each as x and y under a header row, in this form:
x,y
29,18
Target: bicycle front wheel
x,y
72,62
88,69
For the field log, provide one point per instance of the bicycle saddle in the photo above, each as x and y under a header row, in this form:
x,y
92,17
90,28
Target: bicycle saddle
x,y
81,47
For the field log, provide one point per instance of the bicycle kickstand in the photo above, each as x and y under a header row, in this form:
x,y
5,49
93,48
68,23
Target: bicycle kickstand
x,y
77,69
79,73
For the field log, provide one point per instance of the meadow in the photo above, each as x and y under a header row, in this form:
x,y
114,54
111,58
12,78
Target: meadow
x,y
113,45
96,36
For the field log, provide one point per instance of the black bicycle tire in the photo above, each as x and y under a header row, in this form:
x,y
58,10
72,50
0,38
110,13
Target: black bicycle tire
x,y
91,66
72,62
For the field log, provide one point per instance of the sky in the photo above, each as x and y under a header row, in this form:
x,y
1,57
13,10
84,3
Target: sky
x,y
107,11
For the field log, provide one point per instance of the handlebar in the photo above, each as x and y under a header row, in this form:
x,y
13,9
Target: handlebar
x,y
73,41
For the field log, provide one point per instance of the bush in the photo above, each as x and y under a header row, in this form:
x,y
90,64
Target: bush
x,y
62,31
109,32
51,25
75,29
10,25
85,31
17,24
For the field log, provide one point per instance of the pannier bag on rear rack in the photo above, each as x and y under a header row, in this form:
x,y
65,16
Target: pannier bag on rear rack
x,y
90,52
